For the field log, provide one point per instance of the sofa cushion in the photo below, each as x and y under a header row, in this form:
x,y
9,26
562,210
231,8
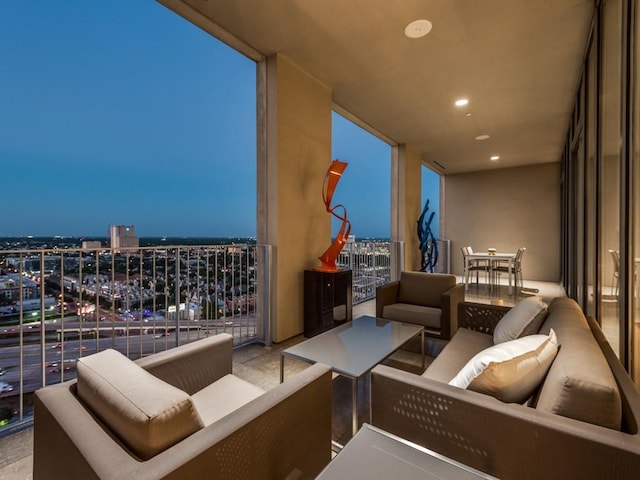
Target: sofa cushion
x,y
405,312
510,371
455,355
420,288
525,318
580,383
223,397
147,414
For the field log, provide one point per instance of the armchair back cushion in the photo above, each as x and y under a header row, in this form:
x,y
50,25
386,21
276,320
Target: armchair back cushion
x,y
147,414
425,289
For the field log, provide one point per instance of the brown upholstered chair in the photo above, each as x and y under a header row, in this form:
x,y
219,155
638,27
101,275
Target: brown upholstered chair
x,y
427,299
181,414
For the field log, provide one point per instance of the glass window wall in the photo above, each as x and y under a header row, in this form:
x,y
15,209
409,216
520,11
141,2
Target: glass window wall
x,y
634,331
590,180
610,134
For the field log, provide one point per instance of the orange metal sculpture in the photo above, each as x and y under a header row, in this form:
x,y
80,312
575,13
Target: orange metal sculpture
x,y
329,257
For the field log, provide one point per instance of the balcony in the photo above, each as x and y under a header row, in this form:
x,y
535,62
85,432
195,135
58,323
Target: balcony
x,y
260,366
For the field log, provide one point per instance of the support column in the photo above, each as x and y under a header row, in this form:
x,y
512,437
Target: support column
x,y
294,116
406,199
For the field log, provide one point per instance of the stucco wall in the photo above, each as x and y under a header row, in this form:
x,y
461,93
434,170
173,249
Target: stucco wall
x,y
506,209
299,153
405,203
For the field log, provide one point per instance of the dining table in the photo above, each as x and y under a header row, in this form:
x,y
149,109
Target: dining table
x,y
493,258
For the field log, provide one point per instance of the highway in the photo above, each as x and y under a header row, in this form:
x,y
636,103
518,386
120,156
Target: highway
x,y
59,357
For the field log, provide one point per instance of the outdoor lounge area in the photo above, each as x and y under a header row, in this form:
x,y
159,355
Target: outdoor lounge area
x,y
398,379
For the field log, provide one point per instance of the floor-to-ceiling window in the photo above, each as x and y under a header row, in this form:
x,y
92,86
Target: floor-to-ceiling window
x,y
610,134
634,331
601,203
590,212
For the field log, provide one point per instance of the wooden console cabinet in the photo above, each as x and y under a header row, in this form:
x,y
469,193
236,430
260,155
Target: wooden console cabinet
x,y
327,300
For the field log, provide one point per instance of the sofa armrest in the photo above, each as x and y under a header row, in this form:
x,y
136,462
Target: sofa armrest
x,y
386,295
505,440
449,317
192,366
284,433
480,317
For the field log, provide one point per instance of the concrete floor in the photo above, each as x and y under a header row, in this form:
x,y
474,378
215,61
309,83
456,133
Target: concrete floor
x,y
261,366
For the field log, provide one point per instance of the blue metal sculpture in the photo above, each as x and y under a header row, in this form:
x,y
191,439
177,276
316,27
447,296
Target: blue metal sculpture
x,y
428,244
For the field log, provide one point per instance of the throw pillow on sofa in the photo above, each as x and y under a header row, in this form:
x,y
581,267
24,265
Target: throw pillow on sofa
x,y
525,318
510,371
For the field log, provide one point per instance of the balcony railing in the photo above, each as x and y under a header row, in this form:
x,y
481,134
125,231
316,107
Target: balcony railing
x,y
370,263
57,305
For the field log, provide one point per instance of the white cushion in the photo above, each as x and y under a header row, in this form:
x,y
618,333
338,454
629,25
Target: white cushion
x,y
525,318
147,414
510,371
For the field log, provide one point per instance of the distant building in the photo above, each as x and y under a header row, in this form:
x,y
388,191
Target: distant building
x,y
123,236
93,244
10,287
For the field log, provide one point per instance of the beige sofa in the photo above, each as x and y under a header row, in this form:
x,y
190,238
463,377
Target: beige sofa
x,y
182,415
426,299
582,422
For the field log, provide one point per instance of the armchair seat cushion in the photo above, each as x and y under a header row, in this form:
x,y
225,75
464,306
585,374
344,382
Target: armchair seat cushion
x,y
146,413
428,317
223,397
464,345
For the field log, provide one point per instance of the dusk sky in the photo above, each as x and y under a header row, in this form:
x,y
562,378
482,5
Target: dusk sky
x,y
121,112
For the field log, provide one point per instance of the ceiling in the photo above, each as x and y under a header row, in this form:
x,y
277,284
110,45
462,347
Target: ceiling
x,y
517,61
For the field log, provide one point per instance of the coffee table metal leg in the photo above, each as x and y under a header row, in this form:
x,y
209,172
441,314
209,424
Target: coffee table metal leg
x,y
354,396
281,368
422,347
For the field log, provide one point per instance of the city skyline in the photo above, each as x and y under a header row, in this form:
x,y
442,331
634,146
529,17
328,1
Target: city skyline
x,y
124,113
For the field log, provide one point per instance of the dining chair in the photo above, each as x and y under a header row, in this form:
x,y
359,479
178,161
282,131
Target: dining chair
x,y
474,266
615,280
501,266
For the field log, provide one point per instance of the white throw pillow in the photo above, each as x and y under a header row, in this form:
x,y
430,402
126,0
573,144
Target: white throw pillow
x,y
510,371
525,318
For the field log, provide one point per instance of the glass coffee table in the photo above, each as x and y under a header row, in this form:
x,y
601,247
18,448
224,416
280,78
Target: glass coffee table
x,y
354,348
376,454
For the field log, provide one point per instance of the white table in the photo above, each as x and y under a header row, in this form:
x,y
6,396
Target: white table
x,y
354,348
376,454
492,258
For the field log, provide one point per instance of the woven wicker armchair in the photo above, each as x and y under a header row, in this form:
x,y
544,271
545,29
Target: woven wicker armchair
x,y
426,299
284,432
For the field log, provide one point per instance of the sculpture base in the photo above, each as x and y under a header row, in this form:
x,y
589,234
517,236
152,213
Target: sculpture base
x,y
328,300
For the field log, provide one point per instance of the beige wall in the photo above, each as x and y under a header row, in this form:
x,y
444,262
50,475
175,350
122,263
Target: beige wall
x,y
506,209
292,217
406,198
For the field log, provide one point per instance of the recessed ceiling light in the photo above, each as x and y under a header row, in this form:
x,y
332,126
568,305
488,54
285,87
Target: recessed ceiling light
x,y
482,137
468,114
495,157
461,102
418,28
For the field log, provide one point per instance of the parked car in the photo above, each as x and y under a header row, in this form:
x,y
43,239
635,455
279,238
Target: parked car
x,y
2,371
